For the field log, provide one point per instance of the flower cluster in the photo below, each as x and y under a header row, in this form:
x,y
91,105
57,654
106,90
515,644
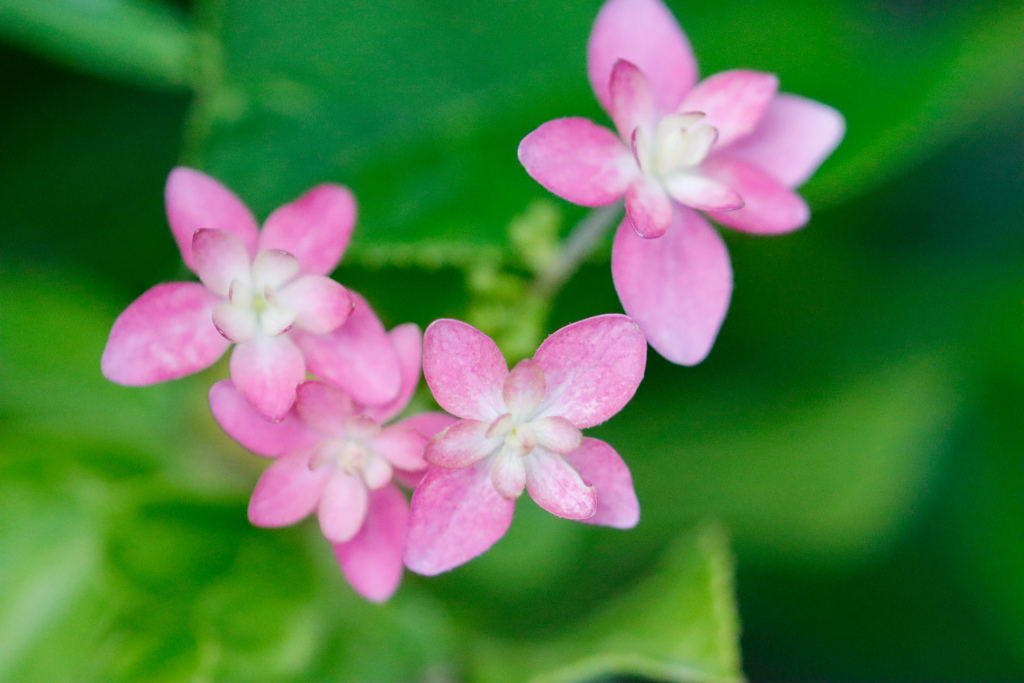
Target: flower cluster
x,y
729,146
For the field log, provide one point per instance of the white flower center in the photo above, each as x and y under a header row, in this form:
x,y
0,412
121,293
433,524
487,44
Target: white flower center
x,y
681,142
353,454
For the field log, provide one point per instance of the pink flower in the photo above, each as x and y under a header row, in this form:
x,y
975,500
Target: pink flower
x,y
730,146
266,291
336,457
521,429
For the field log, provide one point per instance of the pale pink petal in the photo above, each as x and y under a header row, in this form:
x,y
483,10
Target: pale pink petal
x,y
377,472
733,102
342,506
556,487
321,304
631,99
454,516
235,323
402,446
524,388
600,466
676,288
220,258
556,434
288,490
429,424
323,407
267,370
769,207
372,560
261,436
464,369
648,208
700,192
358,356
508,474
463,444
579,161
408,344
409,480
166,333
792,139
273,268
315,227
593,367
196,201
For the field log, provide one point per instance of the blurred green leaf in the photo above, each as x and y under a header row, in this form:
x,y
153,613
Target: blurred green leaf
x,y
142,41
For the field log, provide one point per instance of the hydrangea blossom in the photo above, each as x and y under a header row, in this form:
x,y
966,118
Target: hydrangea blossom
x,y
265,291
730,146
521,430
337,458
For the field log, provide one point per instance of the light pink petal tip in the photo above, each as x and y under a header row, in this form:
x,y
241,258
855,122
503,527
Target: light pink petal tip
x,y
321,304
463,444
372,560
733,102
645,33
593,367
556,487
343,505
166,333
219,258
794,136
676,288
454,516
579,161
648,208
288,491
631,99
195,200
266,371
464,369
315,228
601,467
769,207
246,426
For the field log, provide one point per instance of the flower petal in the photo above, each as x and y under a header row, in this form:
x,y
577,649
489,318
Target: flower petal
x,y
645,33
733,102
343,505
321,304
358,357
648,208
703,193
461,445
593,367
524,388
323,407
273,268
464,369
631,99
556,434
408,344
246,426
676,288
220,258
402,446
288,490
508,474
792,139
235,323
769,207
579,161
600,466
454,516
315,228
164,334
267,370
556,486
429,424
195,200
372,560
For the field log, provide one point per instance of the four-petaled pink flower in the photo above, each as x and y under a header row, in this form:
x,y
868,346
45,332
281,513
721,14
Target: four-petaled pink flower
x,y
266,291
336,457
521,429
730,146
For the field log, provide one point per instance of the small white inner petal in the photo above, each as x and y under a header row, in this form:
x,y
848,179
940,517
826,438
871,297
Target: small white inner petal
x,y
682,142
273,268
275,320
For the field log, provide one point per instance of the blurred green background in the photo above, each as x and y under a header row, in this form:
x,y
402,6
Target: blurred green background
x,y
837,493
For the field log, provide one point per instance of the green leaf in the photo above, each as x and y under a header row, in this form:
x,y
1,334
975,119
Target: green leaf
x,y
141,41
678,624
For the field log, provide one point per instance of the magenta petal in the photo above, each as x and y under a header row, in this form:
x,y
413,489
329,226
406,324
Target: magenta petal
x,y
464,369
593,367
195,200
648,208
343,506
792,139
769,207
632,101
463,444
645,33
220,258
315,228
601,467
321,304
429,424
402,446
676,288
323,407
358,357
166,333
733,102
454,516
246,426
556,487
287,491
578,160
267,370
372,560
408,344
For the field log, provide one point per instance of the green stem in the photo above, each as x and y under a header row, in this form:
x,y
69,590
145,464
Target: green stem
x,y
582,241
